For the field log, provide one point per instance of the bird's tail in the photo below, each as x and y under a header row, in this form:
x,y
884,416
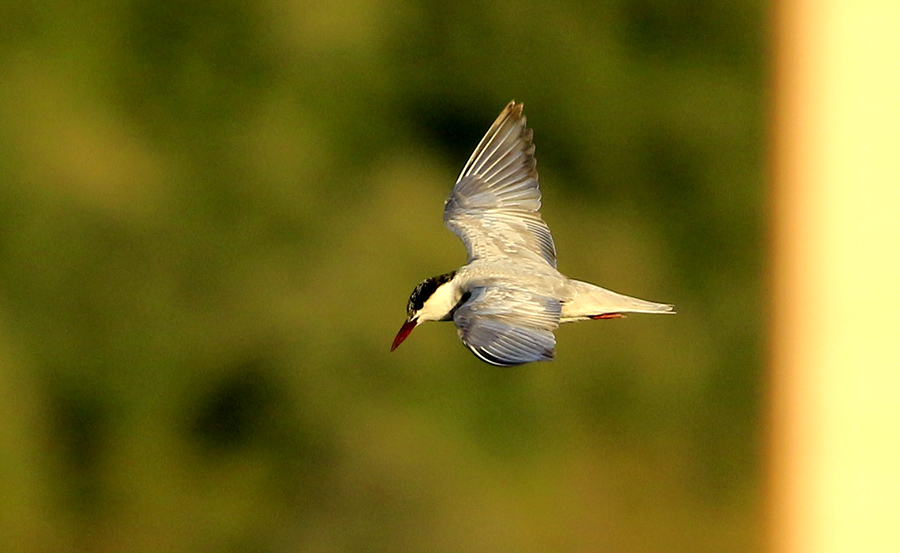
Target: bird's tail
x,y
592,302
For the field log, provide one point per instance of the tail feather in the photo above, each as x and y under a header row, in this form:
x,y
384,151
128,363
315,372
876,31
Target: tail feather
x,y
593,302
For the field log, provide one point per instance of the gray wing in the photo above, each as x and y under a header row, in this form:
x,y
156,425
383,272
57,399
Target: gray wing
x,y
507,327
494,206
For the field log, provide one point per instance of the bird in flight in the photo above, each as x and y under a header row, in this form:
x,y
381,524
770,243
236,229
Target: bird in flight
x,y
509,298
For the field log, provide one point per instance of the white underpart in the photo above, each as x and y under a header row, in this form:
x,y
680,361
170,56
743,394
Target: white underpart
x,y
580,300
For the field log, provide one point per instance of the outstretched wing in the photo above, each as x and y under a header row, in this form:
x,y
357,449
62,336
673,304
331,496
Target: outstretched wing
x,y
507,327
495,205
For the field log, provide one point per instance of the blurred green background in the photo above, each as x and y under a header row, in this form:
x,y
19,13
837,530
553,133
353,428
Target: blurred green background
x,y
212,214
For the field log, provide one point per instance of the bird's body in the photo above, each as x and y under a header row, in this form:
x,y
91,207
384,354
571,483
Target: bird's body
x,y
507,301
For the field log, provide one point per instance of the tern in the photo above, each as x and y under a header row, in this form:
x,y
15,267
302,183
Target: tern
x,y
509,298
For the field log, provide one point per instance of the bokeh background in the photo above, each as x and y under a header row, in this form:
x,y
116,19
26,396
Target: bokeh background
x,y
212,214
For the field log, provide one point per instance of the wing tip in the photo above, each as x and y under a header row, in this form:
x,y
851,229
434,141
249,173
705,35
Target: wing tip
x,y
497,361
513,109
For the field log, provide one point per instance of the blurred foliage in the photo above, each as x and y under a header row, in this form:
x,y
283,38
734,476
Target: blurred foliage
x,y
212,213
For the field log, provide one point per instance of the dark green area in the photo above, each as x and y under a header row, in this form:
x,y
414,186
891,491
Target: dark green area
x,y
212,215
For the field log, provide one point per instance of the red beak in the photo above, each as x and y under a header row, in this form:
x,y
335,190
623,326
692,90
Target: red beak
x,y
407,327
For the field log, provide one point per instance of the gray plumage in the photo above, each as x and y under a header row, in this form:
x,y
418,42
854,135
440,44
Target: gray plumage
x,y
509,298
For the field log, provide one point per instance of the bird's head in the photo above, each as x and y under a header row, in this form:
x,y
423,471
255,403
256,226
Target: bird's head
x,y
431,300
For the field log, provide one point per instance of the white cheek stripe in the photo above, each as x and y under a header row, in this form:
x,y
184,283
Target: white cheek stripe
x,y
441,302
